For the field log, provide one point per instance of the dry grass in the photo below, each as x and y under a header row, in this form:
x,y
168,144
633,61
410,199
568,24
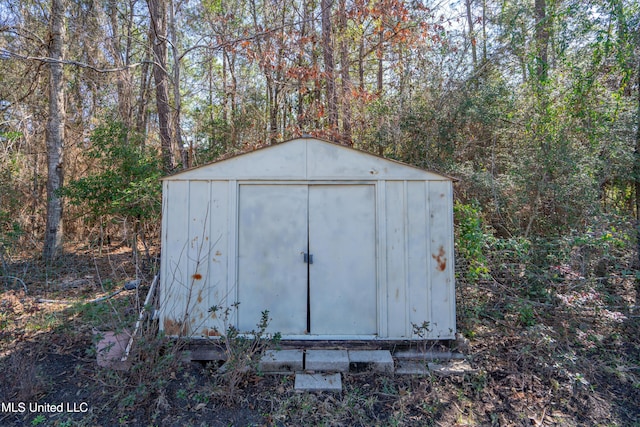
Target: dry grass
x,y
569,360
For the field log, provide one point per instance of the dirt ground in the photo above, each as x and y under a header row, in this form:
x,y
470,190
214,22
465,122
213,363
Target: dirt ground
x,y
573,361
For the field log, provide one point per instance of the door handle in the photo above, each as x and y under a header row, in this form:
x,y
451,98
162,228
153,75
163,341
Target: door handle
x,y
308,258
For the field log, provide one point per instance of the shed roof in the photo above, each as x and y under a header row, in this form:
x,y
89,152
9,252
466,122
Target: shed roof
x,y
304,159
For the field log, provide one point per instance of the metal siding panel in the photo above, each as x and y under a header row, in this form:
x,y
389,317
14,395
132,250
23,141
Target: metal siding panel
x,y
451,279
164,254
174,258
342,278
427,221
417,241
198,254
395,247
218,257
441,262
232,249
405,209
381,251
272,239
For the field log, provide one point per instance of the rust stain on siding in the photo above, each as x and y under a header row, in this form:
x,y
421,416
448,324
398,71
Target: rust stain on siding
x,y
440,258
199,296
197,276
174,327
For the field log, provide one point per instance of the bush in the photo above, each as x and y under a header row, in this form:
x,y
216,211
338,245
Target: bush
x,y
471,241
126,183
10,228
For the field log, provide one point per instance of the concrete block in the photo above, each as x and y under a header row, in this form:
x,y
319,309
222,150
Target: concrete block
x,y
281,361
327,360
318,382
203,354
370,360
411,367
454,367
427,355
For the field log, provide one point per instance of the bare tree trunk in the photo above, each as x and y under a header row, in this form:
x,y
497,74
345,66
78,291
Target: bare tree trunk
x,y
141,115
121,60
273,112
231,61
158,12
345,74
225,90
542,40
327,49
317,84
361,64
636,178
380,63
177,131
300,112
55,132
484,30
472,34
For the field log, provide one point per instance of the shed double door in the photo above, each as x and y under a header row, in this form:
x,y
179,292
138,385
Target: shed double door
x,y
307,254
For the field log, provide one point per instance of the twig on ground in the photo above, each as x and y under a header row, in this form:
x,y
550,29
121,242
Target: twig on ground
x,y
17,279
59,301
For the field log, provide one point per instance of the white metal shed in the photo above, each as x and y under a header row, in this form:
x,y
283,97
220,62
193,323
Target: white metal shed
x,y
336,243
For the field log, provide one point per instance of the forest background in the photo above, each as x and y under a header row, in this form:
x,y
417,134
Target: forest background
x,y
533,105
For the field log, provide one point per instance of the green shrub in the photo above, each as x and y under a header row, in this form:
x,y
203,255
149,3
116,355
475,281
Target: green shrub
x,y
471,241
125,180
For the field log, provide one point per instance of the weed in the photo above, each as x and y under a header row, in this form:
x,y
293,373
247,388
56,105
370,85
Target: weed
x,y
38,419
388,386
201,398
43,322
66,423
423,332
114,314
478,382
526,315
242,351
181,394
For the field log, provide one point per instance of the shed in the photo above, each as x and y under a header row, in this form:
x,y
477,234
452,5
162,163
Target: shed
x,y
334,242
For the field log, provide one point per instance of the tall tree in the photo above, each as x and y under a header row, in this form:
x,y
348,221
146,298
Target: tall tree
x,y
177,131
329,66
345,73
543,25
121,56
636,158
158,14
55,131
472,33
142,115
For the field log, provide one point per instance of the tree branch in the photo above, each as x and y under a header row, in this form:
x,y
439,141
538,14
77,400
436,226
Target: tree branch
x,y
7,54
